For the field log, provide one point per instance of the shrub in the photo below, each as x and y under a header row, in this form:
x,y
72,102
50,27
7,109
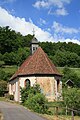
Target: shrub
x,y
32,98
2,63
37,103
25,92
3,87
71,98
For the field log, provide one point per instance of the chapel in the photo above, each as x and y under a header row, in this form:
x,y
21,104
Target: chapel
x,y
37,69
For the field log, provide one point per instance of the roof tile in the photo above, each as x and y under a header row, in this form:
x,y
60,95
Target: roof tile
x,y
38,63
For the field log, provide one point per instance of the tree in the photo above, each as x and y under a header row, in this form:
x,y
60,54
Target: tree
x,y
16,57
26,40
69,74
21,55
73,60
48,48
12,43
2,63
71,98
4,76
3,87
9,40
9,58
62,58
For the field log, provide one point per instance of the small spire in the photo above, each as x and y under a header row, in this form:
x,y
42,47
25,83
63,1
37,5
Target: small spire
x,y
33,32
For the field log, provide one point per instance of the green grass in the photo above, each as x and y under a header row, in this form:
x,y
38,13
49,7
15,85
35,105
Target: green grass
x,y
7,71
3,99
60,69
61,112
10,69
60,117
76,70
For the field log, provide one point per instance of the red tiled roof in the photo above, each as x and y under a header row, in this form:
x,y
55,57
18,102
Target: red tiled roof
x,y
38,63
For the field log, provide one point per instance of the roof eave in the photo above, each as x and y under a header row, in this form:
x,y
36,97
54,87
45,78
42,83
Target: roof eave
x,y
35,74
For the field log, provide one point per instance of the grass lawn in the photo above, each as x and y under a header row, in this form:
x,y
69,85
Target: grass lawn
x,y
76,70
52,117
3,99
10,69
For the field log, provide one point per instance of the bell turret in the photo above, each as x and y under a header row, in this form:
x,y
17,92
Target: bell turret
x,y
34,45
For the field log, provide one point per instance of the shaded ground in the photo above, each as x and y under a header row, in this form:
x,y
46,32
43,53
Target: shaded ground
x,y
0,114
16,112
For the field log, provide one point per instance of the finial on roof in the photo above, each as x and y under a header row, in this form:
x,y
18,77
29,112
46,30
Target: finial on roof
x,y
34,43
33,32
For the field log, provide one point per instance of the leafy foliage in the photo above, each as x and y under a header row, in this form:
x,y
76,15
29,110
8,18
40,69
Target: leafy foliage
x,y
62,46
69,74
3,87
29,90
14,45
71,98
15,48
17,57
3,75
32,98
9,40
37,103
63,58
2,63
63,53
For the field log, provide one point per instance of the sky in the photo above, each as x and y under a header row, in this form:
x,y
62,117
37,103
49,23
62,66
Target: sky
x,y
52,20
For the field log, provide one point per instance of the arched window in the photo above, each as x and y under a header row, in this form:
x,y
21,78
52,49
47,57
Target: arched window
x,y
58,83
27,83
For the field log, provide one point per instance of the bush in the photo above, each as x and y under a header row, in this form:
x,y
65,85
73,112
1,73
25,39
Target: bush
x,y
32,98
25,92
3,87
71,98
1,63
37,103
4,75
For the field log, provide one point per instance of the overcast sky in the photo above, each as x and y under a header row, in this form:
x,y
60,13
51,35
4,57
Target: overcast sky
x,y
52,20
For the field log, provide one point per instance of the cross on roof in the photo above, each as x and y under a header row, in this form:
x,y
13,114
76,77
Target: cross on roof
x,y
33,31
